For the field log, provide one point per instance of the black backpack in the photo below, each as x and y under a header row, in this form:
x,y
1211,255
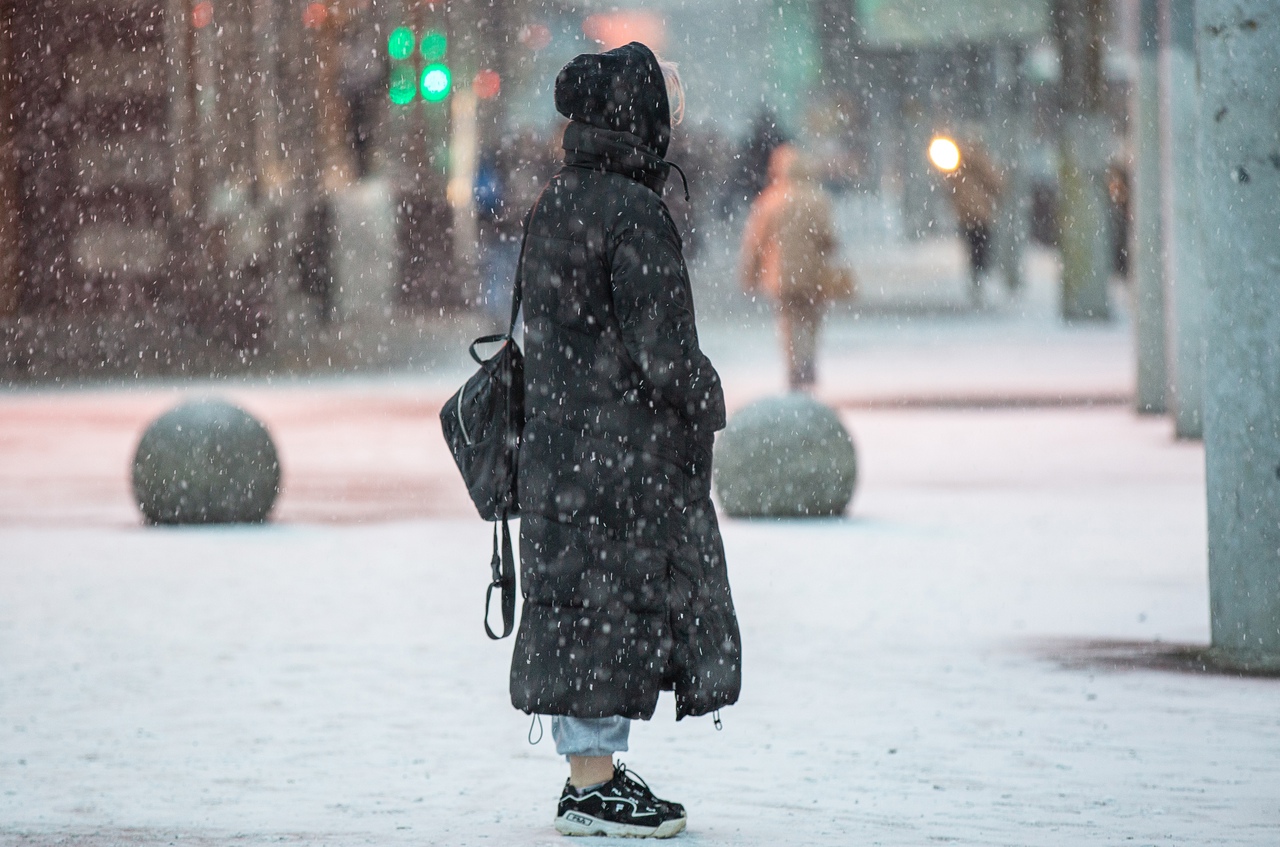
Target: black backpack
x,y
482,425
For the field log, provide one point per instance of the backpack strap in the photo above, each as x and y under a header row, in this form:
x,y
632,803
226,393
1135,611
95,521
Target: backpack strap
x,y
504,579
517,292
503,564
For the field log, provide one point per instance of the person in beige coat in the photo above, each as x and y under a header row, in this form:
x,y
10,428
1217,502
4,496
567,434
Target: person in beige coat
x,y
787,255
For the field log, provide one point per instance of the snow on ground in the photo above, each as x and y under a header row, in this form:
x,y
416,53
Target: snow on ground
x,y
970,658
996,647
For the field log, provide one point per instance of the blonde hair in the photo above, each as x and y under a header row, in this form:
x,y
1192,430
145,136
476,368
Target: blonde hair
x,y
675,90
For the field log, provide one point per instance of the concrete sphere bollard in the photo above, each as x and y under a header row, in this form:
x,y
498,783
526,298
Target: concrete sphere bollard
x,y
205,461
785,457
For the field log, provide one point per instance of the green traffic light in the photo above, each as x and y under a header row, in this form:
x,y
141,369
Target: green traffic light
x,y
434,45
400,43
436,82
404,87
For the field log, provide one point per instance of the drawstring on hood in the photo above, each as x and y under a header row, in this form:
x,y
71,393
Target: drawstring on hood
x,y
684,181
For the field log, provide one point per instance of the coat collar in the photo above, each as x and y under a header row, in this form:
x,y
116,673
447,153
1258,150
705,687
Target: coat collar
x,y
586,146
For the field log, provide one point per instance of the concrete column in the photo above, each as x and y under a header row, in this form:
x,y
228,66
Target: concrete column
x,y
417,162
10,189
266,122
1183,268
922,204
1085,145
1009,142
469,27
187,164
1239,51
464,155
235,90
297,95
1146,253
180,117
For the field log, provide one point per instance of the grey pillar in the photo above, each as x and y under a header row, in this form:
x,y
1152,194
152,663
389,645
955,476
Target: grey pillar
x,y
1183,268
1239,51
922,203
469,26
1009,122
10,186
1146,253
1085,145
235,92
266,123
180,117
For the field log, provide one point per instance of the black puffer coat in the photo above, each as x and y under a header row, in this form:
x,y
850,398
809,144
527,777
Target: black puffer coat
x,y
624,580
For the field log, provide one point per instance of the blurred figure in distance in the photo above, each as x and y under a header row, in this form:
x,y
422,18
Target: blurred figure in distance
x,y
977,185
788,256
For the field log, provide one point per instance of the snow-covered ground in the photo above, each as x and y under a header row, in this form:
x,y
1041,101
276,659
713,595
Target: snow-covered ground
x,y
996,647
973,656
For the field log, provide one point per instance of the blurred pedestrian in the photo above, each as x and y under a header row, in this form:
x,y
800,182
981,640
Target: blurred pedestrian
x,y
625,587
508,180
788,256
977,186
695,150
1120,216
751,174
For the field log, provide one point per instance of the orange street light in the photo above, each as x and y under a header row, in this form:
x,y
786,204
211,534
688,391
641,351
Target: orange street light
x,y
944,154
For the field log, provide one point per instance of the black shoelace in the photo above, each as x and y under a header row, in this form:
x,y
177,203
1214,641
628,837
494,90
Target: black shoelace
x,y
634,785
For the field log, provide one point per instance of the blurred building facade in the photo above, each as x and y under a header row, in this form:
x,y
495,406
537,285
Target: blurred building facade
x,y
169,168
180,176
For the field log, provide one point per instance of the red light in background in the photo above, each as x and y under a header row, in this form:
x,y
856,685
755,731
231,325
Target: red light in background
x,y
315,15
486,84
535,36
613,29
202,15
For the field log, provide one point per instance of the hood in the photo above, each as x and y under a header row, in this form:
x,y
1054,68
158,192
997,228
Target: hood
x,y
620,90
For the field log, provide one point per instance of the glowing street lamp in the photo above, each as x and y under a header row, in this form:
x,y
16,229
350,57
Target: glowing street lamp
x,y
944,154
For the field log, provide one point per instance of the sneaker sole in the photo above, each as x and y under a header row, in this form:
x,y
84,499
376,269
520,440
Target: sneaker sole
x,y
580,824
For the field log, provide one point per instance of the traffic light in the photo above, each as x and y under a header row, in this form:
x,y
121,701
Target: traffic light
x,y
487,84
403,84
404,77
435,44
433,79
400,43
436,83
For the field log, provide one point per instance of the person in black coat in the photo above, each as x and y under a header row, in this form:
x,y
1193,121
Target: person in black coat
x,y
625,588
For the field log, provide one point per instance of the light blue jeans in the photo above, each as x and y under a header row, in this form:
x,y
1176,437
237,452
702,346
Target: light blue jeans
x,y
590,736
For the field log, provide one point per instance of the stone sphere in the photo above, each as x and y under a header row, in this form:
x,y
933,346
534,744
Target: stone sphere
x,y
785,457
204,462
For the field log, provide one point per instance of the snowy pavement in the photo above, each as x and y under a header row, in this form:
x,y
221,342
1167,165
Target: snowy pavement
x,y
985,652
997,647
